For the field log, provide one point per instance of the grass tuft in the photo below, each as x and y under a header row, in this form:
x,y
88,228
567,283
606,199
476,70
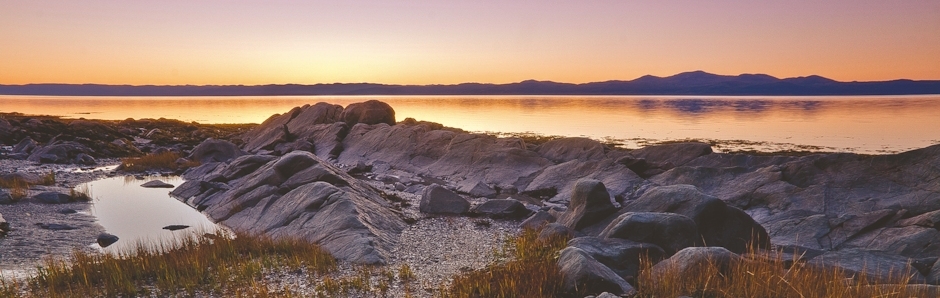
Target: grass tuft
x,y
160,161
531,272
219,265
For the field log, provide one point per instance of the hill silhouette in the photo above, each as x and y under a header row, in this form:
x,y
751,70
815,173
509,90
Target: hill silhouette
x,y
687,83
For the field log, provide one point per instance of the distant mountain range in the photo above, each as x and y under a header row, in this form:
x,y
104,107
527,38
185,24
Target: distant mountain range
x,y
687,83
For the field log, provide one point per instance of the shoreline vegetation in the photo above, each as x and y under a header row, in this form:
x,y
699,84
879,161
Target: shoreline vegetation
x,y
535,262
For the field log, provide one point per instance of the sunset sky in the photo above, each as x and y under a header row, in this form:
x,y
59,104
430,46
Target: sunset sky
x,y
172,42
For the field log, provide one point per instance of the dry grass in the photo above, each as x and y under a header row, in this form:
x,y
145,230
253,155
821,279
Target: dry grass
x,y
161,161
532,271
768,277
217,265
19,189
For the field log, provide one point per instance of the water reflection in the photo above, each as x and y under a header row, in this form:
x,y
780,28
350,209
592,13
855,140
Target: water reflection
x,y
136,214
875,124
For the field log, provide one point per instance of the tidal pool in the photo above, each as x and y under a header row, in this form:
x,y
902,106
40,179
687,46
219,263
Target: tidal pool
x,y
138,215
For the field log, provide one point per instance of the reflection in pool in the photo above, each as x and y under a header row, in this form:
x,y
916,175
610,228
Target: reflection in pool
x,y
136,214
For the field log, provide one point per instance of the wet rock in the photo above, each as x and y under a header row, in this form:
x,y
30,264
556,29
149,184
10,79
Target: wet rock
x,y
878,267
212,150
501,208
620,255
157,184
52,197
555,231
582,273
694,261
538,220
718,224
672,232
590,203
369,112
175,227
439,200
105,239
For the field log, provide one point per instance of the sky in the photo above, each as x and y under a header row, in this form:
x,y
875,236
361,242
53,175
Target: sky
x,y
214,42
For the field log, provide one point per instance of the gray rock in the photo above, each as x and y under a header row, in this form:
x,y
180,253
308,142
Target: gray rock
x,y
555,231
301,144
476,189
672,232
301,196
369,112
212,150
25,146
60,152
568,149
606,295
933,277
52,197
590,203
55,227
501,208
584,275
877,267
105,239
157,184
695,261
537,220
4,226
243,165
29,178
620,255
5,197
439,200
718,224
175,227
672,154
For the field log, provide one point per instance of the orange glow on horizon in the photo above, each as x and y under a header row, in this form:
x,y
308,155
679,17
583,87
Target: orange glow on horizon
x,y
426,42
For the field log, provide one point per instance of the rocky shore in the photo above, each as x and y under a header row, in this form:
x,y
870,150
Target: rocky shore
x,y
373,190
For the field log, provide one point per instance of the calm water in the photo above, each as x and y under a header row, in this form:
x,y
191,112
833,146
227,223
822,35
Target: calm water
x,y
857,124
136,214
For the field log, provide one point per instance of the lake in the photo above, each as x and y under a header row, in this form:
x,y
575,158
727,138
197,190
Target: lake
x,y
862,124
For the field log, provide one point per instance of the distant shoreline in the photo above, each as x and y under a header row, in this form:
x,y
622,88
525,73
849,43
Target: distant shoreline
x,y
684,84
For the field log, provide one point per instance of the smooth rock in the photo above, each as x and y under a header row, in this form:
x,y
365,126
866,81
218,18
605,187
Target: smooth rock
x,y
25,146
672,232
105,239
501,208
59,152
620,255
877,267
696,260
567,149
590,203
555,231
581,273
476,189
157,184
213,150
718,224
439,200
369,112
5,197
52,197
537,220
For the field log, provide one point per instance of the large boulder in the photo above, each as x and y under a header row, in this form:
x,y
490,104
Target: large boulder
x,y
438,200
695,261
213,150
718,224
590,203
582,274
672,232
301,196
567,149
312,123
537,220
501,208
63,152
369,112
25,146
52,197
620,255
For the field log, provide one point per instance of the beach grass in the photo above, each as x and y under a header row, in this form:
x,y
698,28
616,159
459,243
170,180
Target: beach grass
x,y
216,264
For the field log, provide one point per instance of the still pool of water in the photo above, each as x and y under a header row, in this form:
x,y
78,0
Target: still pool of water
x,y
137,215
863,124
